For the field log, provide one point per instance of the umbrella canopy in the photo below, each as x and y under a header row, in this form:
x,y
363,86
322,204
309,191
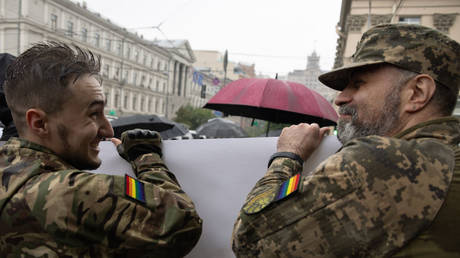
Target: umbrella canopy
x,y
177,130
221,128
273,100
151,122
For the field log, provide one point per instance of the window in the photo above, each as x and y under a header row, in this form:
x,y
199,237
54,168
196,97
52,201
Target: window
x,y
135,78
409,20
84,34
97,39
116,100
136,55
108,44
107,98
128,51
150,105
164,86
142,80
158,65
119,50
157,86
134,102
145,60
125,104
105,72
69,31
53,19
117,73
142,104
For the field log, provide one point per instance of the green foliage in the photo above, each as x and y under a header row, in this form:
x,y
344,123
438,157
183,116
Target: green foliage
x,y
275,126
259,128
193,117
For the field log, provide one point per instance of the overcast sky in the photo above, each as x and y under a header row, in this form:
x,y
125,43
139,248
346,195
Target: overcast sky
x,y
275,35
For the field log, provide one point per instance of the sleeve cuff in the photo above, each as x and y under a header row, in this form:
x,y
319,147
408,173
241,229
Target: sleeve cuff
x,y
290,155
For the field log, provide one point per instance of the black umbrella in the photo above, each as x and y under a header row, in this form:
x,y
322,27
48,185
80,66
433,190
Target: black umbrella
x,y
177,130
221,128
150,122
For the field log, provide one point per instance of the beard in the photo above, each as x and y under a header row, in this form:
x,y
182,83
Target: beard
x,y
381,123
74,158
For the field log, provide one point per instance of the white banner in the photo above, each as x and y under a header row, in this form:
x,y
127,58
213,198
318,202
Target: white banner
x,y
217,174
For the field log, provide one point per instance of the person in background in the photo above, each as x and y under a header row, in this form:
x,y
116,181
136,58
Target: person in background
x,y
49,205
394,186
9,129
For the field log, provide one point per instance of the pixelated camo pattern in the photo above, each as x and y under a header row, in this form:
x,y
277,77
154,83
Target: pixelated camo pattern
x,y
50,209
369,199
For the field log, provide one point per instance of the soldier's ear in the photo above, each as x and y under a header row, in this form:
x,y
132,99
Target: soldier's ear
x,y
36,120
418,93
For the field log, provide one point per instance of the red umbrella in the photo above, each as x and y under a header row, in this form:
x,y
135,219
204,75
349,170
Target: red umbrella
x,y
273,100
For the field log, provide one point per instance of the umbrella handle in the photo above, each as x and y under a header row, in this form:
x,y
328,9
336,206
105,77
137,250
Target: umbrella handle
x,y
268,128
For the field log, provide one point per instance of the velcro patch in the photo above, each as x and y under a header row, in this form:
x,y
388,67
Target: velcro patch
x,y
134,189
288,187
262,200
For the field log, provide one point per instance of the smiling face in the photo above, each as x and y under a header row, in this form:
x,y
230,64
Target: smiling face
x,y
81,124
370,104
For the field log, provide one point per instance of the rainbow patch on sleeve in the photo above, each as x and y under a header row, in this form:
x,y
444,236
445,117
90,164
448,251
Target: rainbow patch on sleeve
x,y
288,187
134,188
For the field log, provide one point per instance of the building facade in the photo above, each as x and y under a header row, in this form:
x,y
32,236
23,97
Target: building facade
x,y
212,62
358,15
139,76
309,77
180,74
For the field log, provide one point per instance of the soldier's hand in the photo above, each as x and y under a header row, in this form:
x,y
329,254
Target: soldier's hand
x,y
301,139
115,141
137,142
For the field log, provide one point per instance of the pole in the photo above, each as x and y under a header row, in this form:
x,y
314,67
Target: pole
x,y
19,26
167,91
369,16
268,128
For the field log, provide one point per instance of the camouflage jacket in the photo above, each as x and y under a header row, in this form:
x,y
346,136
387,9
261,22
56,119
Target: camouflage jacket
x,y
50,209
370,199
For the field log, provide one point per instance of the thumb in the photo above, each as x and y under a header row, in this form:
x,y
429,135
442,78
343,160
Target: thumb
x,y
115,141
323,131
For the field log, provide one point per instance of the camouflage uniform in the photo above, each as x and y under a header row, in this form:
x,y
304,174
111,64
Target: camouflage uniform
x,y
50,209
377,196
372,198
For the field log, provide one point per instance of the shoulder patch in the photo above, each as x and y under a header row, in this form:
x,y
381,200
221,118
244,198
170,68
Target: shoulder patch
x,y
134,189
262,200
288,187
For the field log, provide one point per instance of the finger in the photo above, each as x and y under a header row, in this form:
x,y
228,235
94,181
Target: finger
x,y
323,131
314,125
115,141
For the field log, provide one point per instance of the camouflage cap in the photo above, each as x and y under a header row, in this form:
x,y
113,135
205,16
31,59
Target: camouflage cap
x,y
411,47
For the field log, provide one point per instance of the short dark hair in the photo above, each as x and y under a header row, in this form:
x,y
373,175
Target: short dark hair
x,y
444,98
39,77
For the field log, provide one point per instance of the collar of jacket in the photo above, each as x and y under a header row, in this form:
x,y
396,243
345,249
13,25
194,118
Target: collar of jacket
x,y
446,129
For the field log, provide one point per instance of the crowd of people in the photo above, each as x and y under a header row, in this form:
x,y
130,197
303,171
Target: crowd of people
x,y
391,189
